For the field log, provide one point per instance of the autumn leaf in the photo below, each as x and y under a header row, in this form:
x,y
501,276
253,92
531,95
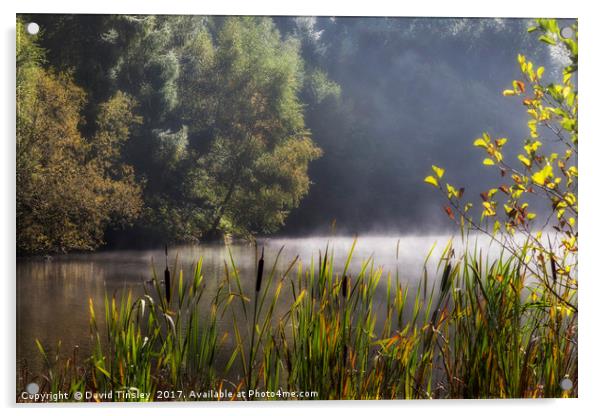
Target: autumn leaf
x,y
438,171
540,177
432,180
488,209
451,191
524,160
519,86
480,143
449,212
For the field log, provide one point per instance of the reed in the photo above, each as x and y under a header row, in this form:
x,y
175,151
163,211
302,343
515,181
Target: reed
x,y
252,348
476,327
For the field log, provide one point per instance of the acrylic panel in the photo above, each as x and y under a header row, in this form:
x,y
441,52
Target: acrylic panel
x,y
295,208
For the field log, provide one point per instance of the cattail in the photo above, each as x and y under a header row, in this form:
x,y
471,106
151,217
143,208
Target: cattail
x,y
259,273
553,264
167,279
345,286
325,262
252,350
445,280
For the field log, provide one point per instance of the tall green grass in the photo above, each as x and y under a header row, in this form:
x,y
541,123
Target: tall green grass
x,y
479,328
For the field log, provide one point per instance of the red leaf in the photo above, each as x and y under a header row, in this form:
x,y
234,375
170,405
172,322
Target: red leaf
x,y
449,212
521,86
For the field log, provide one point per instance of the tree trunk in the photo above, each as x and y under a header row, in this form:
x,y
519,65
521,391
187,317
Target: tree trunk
x,y
220,212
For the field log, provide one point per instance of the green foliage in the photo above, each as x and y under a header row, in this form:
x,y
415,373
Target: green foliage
x,y
153,344
29,58
481,329
69,189
218,108
543,172
241,91
545,251
320,87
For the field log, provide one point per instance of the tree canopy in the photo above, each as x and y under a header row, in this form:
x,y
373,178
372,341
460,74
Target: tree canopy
x,y
179,128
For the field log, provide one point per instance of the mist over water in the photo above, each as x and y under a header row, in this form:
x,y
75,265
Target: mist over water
x,y
53,294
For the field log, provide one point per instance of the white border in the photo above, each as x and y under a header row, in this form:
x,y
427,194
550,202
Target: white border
x,y
590,291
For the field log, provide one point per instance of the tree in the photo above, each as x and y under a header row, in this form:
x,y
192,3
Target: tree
x,y
241,100
545,170
69,189
220,104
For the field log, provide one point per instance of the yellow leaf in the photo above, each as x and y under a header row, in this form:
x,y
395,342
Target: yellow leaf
x,y
489,210
507,93
540,71
540,177
521,59
496,227
518,86
525,160
299,299
533,128
488,162
438,171
480,143
432,180
570,198
451,191
532,147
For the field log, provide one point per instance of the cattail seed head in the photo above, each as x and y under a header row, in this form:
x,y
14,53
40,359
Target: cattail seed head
x,y
259,273
345,286
167,279
445,280
553,264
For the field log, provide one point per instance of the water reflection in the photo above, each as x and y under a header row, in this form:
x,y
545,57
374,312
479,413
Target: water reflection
x,y
53,295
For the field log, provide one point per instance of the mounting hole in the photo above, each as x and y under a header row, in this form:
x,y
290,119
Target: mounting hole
x,y
33,28
566,384
32,388
566,32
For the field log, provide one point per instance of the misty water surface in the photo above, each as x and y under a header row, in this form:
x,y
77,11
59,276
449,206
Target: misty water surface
x,y
53,293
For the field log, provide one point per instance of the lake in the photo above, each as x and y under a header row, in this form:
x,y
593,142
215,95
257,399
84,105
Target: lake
x,y
53,293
